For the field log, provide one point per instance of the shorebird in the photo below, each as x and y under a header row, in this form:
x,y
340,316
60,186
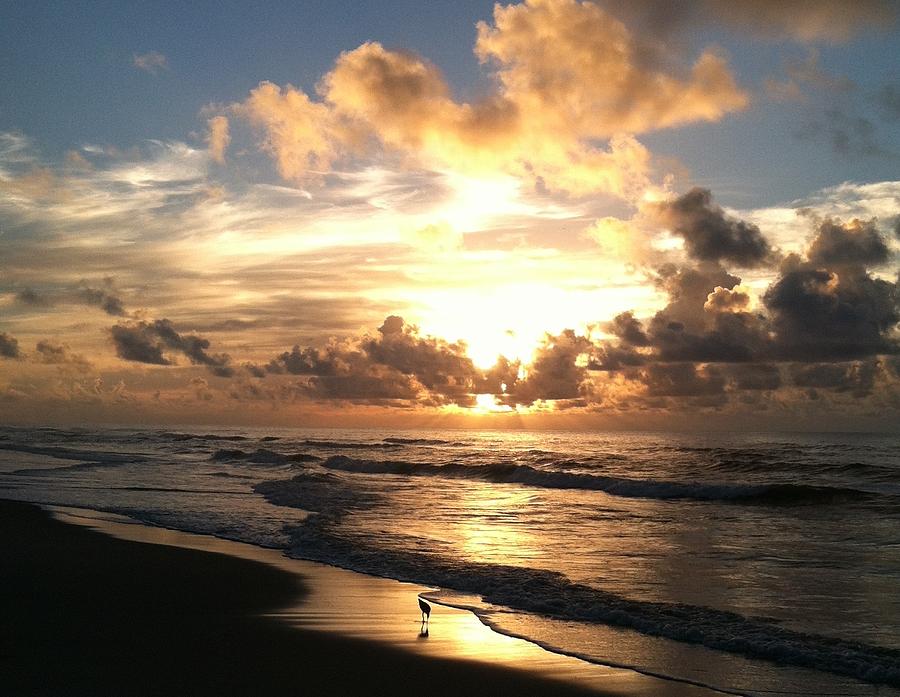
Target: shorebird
x,y
426,610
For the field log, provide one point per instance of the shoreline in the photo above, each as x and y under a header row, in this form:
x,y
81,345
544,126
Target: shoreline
x,y
323,628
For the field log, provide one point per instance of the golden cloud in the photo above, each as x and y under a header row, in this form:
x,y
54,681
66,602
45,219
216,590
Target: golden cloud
x,y
298,131
218,138
573,86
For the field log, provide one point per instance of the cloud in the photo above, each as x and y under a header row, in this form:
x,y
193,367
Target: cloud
x,y
709,233
806,20
570,65
218,138
102,298
567,75
821,313
831,21
888,99
558,371
138,343
847,133
825,312
857,377
399,364
84,294
151,62
396,363
628,329
856,243
807,72
682,380
144,342
298,133
50,352
755,376
9,346
29,296
727,300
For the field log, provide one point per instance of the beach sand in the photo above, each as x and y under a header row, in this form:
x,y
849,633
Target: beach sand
x,y
136,610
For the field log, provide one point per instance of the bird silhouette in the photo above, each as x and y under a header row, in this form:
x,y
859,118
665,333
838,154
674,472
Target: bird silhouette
x,y
426,611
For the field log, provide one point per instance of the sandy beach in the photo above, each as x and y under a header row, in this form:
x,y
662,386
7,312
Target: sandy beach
x,y
164,612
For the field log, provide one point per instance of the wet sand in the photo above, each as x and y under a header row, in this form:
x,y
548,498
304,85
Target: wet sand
x,y
94,604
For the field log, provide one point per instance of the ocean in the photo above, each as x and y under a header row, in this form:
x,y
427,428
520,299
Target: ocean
x,y
753,563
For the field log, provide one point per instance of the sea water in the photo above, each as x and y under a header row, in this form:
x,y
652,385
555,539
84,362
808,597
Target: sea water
x,y
756,564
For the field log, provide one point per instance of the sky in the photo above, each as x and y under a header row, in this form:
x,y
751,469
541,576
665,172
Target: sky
x,y
552,214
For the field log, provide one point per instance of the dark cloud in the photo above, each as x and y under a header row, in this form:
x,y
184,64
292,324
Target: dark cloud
x,y
819,314
50,352
710,234
396,363
437,364
806,20
256,371
705,319
888,99
801,20
628,329
377,385
847,133
29,296
857,243
755,376
9,346
500,378
136,342
688,289
333,359
559,370
192,346
145,342
682,380
825,313
731,338
607,357
858,377
102,298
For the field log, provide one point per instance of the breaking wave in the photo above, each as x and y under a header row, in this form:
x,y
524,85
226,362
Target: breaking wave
x,y
261,456
763,494
420,441
349,445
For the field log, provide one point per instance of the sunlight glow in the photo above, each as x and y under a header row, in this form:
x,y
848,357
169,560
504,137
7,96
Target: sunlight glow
x,y
487,404
511,320
477,201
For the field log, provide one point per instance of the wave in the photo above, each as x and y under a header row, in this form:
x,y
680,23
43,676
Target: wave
x,y
95,458
552,594
764,494
420,441
261,456
205,436
348,445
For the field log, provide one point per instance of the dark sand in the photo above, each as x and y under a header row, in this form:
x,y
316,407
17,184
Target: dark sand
x,y
85,614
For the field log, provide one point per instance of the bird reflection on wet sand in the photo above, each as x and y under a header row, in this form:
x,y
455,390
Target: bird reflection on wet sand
x,y
426,616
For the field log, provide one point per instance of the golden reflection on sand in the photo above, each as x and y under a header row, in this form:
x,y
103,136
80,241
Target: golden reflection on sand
x,y
384,610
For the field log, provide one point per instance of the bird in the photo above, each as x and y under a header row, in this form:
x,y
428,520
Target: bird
x,y
426,610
